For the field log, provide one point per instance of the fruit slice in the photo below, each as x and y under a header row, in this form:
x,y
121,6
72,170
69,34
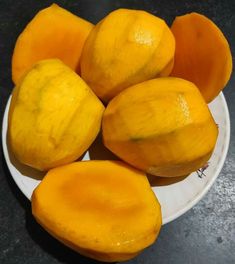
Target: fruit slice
x,y
162,126
125,48
53,33
202,54
54,116
105,210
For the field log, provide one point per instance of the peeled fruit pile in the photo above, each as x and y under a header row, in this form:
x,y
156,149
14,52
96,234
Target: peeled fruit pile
x,y
54,116
103,209
160,125
125,48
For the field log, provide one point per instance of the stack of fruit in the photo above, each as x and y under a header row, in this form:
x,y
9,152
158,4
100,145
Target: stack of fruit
x,y
73,78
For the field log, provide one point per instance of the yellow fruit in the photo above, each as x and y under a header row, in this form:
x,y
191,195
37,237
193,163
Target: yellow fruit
x,y
125,48
54,116
202,54
53,33
162,126
105,210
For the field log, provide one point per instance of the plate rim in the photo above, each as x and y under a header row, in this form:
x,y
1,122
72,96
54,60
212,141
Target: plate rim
x,y
166,220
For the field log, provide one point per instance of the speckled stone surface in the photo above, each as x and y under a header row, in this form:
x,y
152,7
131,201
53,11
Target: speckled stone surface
x,y
205,234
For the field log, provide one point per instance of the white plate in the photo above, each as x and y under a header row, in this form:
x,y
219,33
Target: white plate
x,y
175,198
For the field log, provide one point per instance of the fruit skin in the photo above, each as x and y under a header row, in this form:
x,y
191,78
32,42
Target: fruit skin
x,y
162,126
202,54
53,33
125,48
54,116
105,210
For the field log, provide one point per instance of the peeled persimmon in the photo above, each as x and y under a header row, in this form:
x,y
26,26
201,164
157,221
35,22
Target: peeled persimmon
x,y
162,126
53,33
202,54
125,48
105,210
54,116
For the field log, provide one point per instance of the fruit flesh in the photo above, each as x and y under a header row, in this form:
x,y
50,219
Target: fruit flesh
x,y
125,48
102,209
161,126
53,33
54,116
202,54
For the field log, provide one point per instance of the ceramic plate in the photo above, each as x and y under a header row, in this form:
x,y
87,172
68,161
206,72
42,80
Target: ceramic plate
x,y
176,197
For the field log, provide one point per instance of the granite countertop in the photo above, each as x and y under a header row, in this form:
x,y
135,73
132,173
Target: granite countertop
x,y
205,234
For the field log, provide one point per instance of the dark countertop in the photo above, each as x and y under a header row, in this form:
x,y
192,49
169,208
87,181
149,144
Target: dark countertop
x,y
205,234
